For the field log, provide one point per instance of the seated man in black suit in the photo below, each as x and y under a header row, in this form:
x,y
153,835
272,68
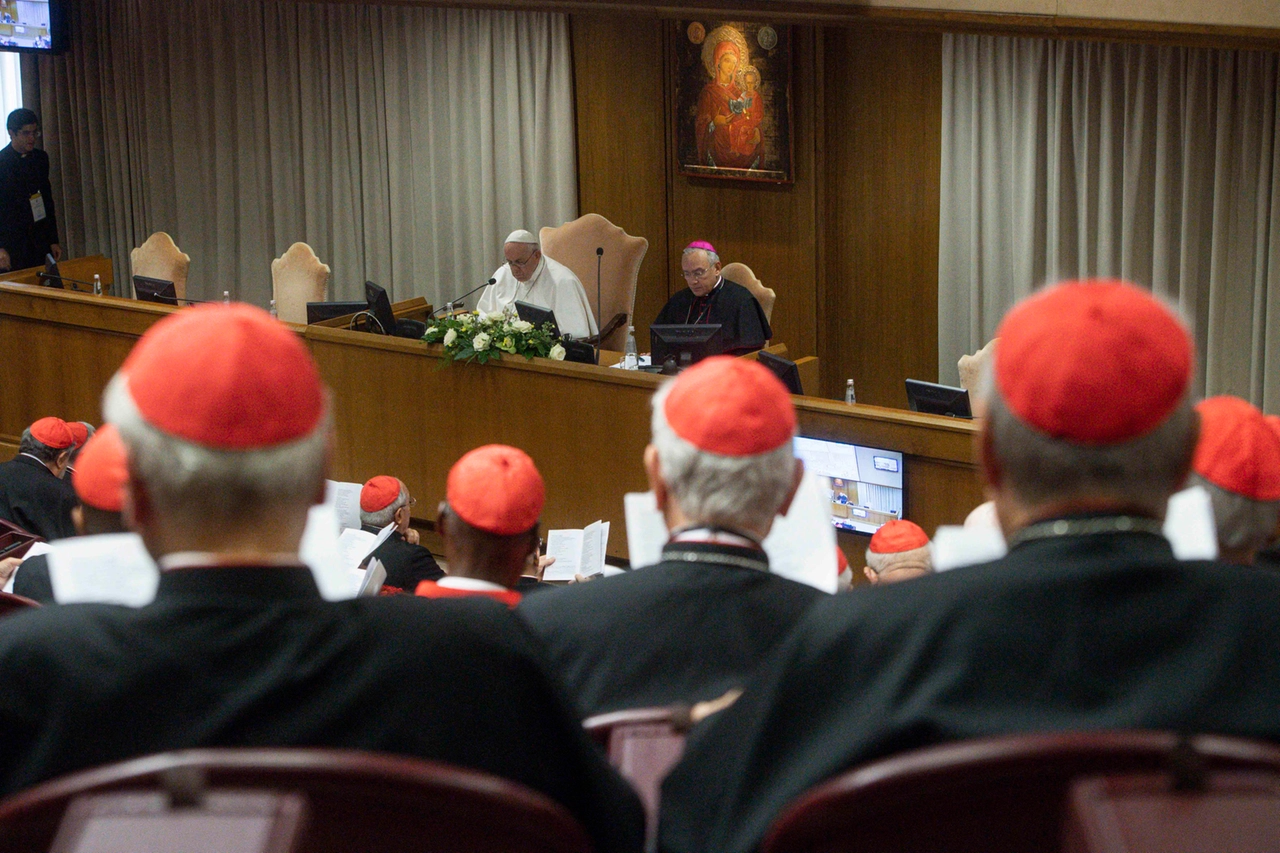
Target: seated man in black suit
x,y
710,298
696,625
1087,623
386,500
227,426
99,483
33,494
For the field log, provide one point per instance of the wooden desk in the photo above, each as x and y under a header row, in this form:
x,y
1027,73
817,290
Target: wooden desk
x,y
402,409
78,271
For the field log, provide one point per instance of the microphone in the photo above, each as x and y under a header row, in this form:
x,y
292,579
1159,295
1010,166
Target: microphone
x,y
468,293
599,307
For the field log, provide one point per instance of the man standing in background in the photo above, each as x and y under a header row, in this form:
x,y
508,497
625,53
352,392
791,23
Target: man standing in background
x,y
28,227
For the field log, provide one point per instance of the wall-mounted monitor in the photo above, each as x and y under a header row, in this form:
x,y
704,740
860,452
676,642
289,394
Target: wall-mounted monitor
x,y
33,26
865,484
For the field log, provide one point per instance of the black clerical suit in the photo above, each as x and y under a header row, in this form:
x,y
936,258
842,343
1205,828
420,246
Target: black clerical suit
x,y
32,580
685,630
251,656
1068,632
26,240
743,326
35,500
407,564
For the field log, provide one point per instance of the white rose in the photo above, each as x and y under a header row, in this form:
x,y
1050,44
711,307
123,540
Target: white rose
x,y
480,342
522,326
450,336
557,353
495,316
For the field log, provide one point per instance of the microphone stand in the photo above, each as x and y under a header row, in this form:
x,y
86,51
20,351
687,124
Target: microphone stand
x,y
599,307
465,295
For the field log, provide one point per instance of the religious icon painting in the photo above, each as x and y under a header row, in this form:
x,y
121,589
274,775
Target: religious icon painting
x,y
733,100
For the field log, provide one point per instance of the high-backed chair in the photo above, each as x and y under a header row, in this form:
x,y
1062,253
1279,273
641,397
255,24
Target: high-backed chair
x,y
354,800
574,244
159,257
991,795
298,277
10,603
742,274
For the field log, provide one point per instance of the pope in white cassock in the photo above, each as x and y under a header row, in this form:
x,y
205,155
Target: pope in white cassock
x,y
529,276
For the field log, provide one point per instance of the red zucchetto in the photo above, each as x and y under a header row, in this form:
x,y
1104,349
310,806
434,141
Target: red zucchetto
x,y
496,488
1092,362
79,432
247,383
379,493
1237,450
730,407
102,471
53,432
897,536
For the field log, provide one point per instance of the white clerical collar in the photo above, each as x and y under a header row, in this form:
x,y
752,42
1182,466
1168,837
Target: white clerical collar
x,y
206,559
470,584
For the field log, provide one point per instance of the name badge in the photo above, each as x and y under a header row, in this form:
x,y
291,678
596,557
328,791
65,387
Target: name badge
x,y
37,207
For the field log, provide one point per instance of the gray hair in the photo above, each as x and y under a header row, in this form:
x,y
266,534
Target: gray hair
x,y
219,485
1041,469
1243,524
384,516
712,257
733,491
37,448
916,558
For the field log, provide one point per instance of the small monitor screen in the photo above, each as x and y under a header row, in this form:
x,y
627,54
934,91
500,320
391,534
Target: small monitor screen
x,y
379,305
36,26
537,315
935,399
52,276
864,483
155,290
318,312
685,344
785,369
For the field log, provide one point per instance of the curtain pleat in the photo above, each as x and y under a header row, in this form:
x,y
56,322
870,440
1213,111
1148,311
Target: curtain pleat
x,y
1157,164
402,143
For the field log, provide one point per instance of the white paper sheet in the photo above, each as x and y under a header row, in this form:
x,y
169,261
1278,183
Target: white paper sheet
x,y
113,568
36,549
954,546
320,551
802,544
646,529
345,500
577,552
1189,525
369,581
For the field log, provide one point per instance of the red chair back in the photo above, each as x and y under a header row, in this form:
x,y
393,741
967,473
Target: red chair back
x,y
984,796
14,540
355,801
643,744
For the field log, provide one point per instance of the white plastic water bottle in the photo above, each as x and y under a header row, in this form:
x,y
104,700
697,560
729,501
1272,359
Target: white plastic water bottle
x,y
226,296
97,285
848,393
630,359
272,309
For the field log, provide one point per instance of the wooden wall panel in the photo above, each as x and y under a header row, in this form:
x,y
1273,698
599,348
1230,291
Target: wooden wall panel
x,y
882,137
769,227
618,91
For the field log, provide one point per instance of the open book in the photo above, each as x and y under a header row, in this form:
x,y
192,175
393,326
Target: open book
x,y
577,552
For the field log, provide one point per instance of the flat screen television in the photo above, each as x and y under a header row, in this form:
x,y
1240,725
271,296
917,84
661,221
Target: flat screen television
x,y
34,26
378,304
865,483
684,344
934,399
318,312
784,368
537,315
52,275
154,290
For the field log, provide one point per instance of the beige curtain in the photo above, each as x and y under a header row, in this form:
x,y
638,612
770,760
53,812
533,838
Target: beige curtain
x,y
1156,164
402,143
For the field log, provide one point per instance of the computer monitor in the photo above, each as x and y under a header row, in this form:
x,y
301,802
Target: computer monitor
x,y
865,483
154,290
784,368
537,315
935,399
378,304
686,344
52,277
318,312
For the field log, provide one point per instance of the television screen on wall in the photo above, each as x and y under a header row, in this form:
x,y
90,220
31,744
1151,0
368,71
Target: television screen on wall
x,y
33,26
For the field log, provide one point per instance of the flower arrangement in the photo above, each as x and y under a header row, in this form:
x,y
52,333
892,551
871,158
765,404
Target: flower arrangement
x,y
485,337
